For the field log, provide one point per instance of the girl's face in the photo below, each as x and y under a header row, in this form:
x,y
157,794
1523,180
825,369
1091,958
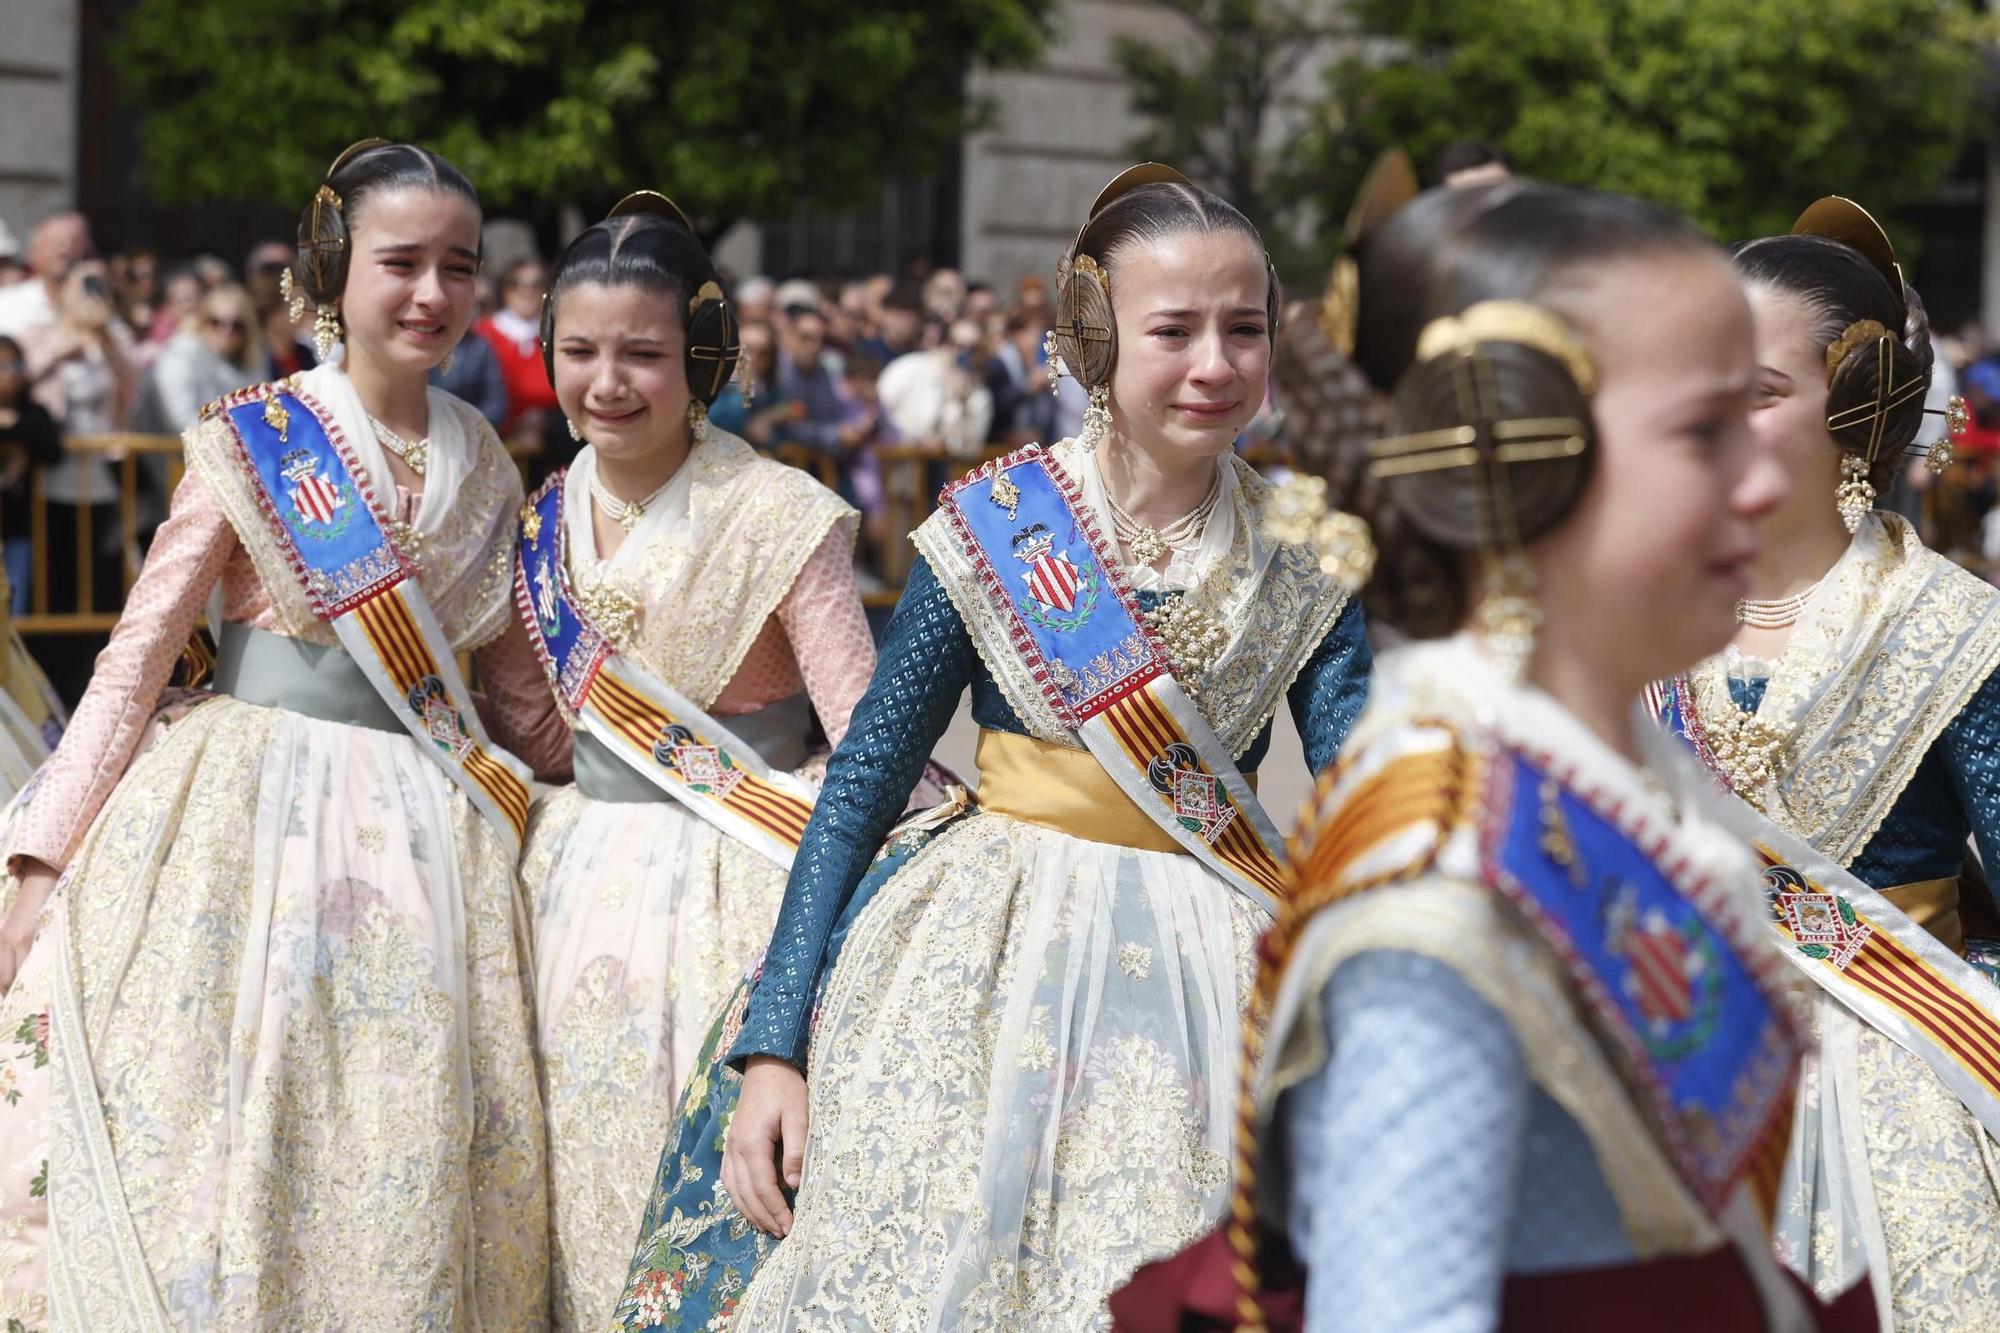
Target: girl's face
x,y
1194,343
1649,567
414,255
1788,411
620,376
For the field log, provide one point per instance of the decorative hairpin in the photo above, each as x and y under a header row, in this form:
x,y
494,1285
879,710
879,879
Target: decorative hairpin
x,y
1939,453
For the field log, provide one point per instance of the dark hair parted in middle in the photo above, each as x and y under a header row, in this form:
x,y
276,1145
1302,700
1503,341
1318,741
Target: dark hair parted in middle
x,y
367,169
1143,215
1845,289
1448,251
657,255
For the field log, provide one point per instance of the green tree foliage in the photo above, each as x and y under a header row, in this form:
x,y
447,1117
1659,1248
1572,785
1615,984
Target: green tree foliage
x,y
1211,104
748,108
1736,112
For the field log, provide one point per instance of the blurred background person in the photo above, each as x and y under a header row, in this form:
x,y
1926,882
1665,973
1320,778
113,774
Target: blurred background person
x,y
808,380
28,440
473,374
514,333
938,398
12,267
80,367
213,354
180,294
753,404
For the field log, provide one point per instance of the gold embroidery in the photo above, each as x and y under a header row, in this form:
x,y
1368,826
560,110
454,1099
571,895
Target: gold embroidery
x,y
961,1103
376,1079
643,917
1272,603
753,524
1933,1169
1895,643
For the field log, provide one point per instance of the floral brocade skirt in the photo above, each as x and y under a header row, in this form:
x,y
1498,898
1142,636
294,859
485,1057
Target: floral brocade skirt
x,y
643,915
291,1079
1022,1086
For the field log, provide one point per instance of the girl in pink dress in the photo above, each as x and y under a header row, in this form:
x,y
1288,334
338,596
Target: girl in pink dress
x,y
727,578
276,1016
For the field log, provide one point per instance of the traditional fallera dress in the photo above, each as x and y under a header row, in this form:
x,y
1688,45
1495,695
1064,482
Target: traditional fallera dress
x,y
1528,1063
1865,757
654,880
1022,1063
282,1007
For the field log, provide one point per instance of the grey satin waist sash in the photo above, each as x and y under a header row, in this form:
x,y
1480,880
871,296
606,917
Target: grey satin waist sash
x,y
312,679
777,732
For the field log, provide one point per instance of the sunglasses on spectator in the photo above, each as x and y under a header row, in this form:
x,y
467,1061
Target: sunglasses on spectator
x,y
273,265
227,325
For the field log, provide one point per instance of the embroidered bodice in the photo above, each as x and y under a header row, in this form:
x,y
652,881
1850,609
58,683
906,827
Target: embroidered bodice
x,y
1953,794
214,537
736,587
1870,735
928,660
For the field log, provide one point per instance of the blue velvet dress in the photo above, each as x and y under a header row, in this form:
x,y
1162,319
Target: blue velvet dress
x,y
696,1254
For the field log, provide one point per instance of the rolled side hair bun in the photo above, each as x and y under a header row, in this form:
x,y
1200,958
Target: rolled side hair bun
x,y
1428,523
363,169
1894,369
1444,257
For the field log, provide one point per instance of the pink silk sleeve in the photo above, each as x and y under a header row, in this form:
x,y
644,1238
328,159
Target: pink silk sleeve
x,y
187,558
823,618
520,708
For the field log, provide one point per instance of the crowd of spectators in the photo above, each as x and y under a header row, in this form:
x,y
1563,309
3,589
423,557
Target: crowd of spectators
x,y
834,373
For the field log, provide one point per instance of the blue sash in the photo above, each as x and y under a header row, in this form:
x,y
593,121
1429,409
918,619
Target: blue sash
x,y
321,512
1043,567
1690,1014
659,733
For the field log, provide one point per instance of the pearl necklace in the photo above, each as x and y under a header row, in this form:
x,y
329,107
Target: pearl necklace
x,y
1778,612
415,453
626,513
1146,543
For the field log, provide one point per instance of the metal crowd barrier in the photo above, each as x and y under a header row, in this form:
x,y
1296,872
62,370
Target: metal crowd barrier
x,y
911,476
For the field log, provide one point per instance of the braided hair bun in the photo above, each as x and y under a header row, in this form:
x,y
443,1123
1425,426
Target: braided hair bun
x,y
1459,321
1839,264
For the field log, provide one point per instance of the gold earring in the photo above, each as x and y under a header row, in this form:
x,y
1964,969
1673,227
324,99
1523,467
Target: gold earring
x,y
574,433
1856,495
697,423
444,366
1096,426
326,330
1509,615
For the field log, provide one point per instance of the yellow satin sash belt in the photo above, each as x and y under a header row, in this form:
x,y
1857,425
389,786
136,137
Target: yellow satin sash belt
x,y
1064,789
1932,904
